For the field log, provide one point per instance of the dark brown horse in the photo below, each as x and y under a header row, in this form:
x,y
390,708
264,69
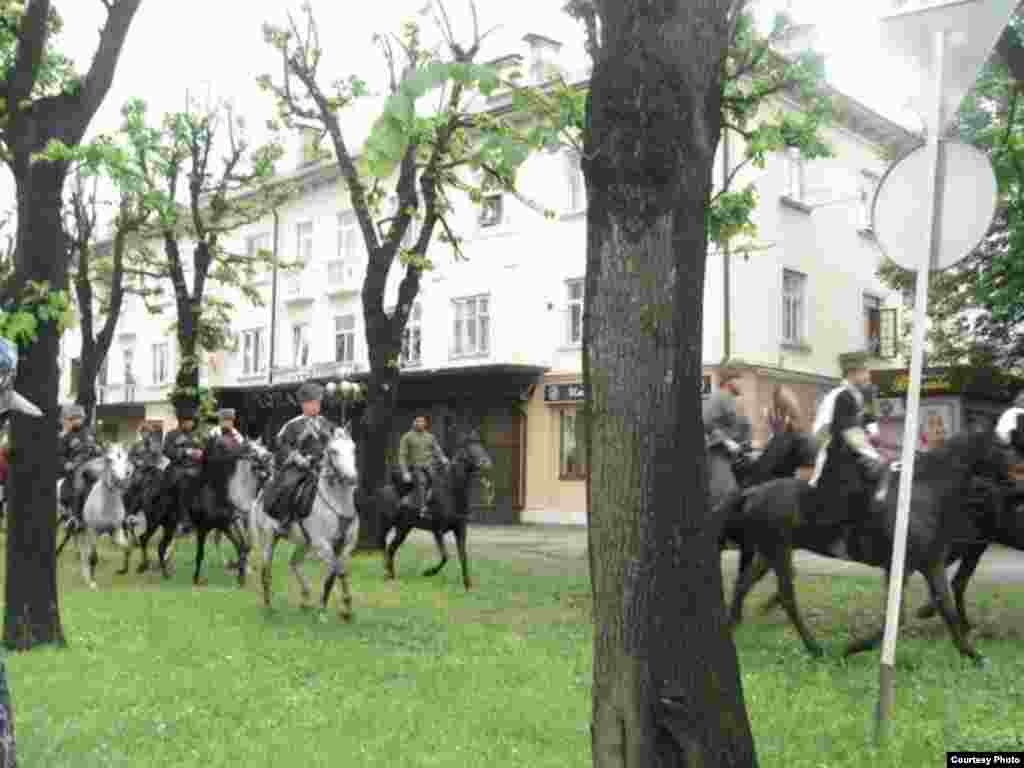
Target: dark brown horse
x,y
449,510
777,517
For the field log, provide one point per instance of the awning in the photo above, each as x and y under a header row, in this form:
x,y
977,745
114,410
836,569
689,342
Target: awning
x,y
432,385
115,411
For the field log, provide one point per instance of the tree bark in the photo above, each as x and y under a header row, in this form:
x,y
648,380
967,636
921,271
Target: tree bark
x,y
32,613
381,399
667,688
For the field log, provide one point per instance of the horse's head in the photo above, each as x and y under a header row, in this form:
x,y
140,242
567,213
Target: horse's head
x,y
472,454
340,458
261,460
975,452
118,469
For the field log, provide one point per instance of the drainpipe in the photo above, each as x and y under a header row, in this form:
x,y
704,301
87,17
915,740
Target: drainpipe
x,y
273,304
726,263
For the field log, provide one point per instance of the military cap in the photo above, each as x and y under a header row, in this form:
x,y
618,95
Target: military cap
x,y
226,413
853,361
74,411
310,391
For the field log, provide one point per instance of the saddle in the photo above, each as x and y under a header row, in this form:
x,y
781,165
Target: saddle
x,y
296,501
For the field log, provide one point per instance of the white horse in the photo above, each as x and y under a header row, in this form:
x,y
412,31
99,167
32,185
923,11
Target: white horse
x,y
103,511
332,527
251,475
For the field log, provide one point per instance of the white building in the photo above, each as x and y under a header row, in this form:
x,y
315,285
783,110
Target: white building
x,y
494,340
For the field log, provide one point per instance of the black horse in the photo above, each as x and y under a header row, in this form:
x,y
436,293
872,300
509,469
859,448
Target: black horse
x,y
777,517
996,517
449,508
231,482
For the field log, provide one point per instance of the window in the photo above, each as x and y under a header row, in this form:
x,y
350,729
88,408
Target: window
x,y
344,338
161,363
76,376
795,176
412,337
304,243
794,307
257,246
572,463
868,186
341,269
472,331
577,184
300,345
575,313
491,207
129,374
252,352
872,324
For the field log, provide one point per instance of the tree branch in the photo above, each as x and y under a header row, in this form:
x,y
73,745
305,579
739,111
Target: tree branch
x,y
32,38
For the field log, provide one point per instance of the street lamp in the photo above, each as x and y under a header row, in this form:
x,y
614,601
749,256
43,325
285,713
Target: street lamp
x,y
944,44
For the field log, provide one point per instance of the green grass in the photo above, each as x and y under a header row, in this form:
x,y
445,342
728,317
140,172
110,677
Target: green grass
x,y
159,674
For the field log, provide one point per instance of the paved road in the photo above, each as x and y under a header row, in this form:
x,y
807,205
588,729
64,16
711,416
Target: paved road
x,y
564,548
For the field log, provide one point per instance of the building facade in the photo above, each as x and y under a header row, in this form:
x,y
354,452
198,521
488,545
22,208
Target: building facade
x,y
494,339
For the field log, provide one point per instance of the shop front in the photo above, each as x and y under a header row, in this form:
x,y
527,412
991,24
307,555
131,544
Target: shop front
x,y
953,399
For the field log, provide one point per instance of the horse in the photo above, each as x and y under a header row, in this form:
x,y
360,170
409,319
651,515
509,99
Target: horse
x,y
239,477
777,517
162,513
331,527
103,509
997,518
450,507
244,487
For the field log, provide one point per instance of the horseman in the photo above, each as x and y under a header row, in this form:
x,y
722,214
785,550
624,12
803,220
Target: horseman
x,y
77,447
727,434
145,457
184,449
848,467
223,446
419,455
300,446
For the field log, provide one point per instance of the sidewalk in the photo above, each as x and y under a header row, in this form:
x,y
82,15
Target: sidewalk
x,y
565,547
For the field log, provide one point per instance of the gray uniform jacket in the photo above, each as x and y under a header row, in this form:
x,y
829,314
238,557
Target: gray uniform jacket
x,y
722,420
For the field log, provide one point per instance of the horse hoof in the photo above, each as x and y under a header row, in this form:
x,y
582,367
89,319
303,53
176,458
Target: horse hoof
x,y
431,572
142,568
928,612
348,618
92,585
982,662
200,582
121,572
306,607
321,616
468,585
816,651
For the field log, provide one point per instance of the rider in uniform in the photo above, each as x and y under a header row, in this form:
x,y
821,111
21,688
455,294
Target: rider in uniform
x,y
727,434
419,454
300,446
848,467
223,445
145,457
183,447
76,448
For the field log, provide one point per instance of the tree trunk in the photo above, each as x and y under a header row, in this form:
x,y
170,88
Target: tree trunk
x,y
187,378
32,614
382,398
667,689
89,367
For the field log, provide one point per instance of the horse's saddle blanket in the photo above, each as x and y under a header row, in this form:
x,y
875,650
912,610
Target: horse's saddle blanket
x,y
298,499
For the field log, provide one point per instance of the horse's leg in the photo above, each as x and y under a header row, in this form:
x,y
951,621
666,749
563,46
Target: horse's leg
x,y
164,550
330,560
782,562
460,544
295,566
442,550
268,563
751,572
935,575
82,542
350,539
401,532
151,526
238,536
201,533
964,572
67,537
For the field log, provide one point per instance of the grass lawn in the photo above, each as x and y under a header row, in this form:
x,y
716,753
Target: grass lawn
x,y
159,674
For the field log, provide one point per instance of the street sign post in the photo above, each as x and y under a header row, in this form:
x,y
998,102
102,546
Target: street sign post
x,y
945,44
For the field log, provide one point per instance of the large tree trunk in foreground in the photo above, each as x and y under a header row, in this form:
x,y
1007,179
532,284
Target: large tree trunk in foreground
x,y
32,614
378,421
667,689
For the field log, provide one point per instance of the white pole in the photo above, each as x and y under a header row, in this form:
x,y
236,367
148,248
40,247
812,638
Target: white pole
x,y
910,429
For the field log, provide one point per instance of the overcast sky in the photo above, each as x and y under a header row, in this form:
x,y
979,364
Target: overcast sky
x,y
216,46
